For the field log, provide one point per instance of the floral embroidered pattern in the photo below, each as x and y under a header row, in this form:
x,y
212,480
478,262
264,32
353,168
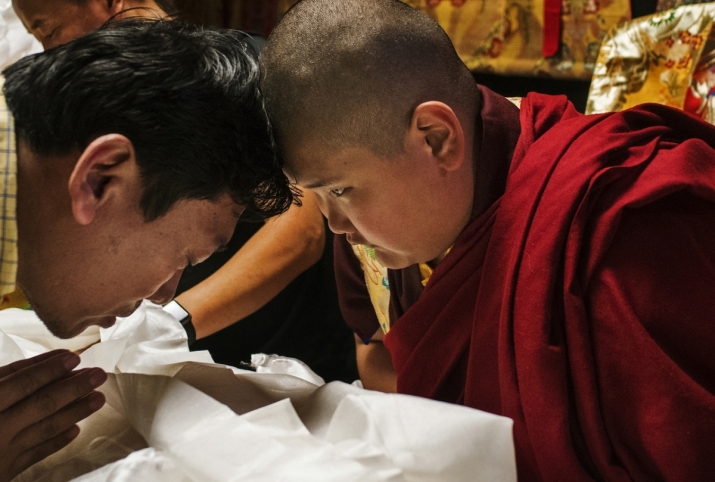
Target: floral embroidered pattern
x,y
667,58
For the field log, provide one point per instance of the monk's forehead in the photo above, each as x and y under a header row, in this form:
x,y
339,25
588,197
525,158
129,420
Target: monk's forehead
x,y
315,164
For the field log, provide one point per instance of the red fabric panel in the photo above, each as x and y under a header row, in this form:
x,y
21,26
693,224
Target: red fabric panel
x,y
552,27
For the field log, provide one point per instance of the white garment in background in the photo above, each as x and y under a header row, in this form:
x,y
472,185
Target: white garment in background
x,y
15,41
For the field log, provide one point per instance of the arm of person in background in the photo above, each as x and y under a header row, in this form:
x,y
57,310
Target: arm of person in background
x,y
41,400
375,364
281,250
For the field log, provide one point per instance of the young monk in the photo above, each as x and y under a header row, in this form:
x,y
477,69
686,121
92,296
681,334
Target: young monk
x,y
568,261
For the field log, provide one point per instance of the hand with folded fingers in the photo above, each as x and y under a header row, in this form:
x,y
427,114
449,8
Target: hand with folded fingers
x,y
41,401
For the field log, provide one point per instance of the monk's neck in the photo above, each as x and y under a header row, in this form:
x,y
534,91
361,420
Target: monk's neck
x,y
433,264
472,125
496,133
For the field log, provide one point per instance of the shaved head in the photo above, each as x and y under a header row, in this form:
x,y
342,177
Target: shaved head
x,y
351,72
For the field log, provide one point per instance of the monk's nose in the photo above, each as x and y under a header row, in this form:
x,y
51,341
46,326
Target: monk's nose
x,y
338,222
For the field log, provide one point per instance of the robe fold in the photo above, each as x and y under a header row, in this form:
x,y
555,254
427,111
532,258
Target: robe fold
x,y
582,303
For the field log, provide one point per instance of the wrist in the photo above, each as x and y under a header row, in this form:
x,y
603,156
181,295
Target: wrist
x,y
181,315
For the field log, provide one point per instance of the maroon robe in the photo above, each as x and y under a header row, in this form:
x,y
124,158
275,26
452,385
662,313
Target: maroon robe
x,y
584,309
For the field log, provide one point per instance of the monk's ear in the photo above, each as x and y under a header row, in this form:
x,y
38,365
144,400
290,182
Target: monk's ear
x,y
105,172
436,130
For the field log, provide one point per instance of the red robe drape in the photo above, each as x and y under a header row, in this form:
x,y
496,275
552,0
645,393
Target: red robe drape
x,y
587,315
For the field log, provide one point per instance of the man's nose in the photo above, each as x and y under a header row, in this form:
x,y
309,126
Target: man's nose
x,y
166,292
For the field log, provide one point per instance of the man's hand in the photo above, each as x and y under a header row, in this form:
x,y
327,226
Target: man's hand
x,y
41,400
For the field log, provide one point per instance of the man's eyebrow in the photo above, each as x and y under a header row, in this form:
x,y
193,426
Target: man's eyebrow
x,y
37,24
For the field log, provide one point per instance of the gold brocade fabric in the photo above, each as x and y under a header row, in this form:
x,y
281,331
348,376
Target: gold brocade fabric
x,y
376,282
506,36
668,4
377,285
667,58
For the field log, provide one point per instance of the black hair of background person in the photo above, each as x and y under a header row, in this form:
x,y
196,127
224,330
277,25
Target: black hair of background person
x,y
303,321
168,6
195,116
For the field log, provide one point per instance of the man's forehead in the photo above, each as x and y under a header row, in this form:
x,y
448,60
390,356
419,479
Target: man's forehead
x,y
32,10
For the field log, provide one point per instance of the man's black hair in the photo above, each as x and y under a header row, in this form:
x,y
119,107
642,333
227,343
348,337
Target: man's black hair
x,y
351,72
167,6
186,97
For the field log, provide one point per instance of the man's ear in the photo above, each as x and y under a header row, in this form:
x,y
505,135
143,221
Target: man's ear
x,y
437,131
107,169
115,6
